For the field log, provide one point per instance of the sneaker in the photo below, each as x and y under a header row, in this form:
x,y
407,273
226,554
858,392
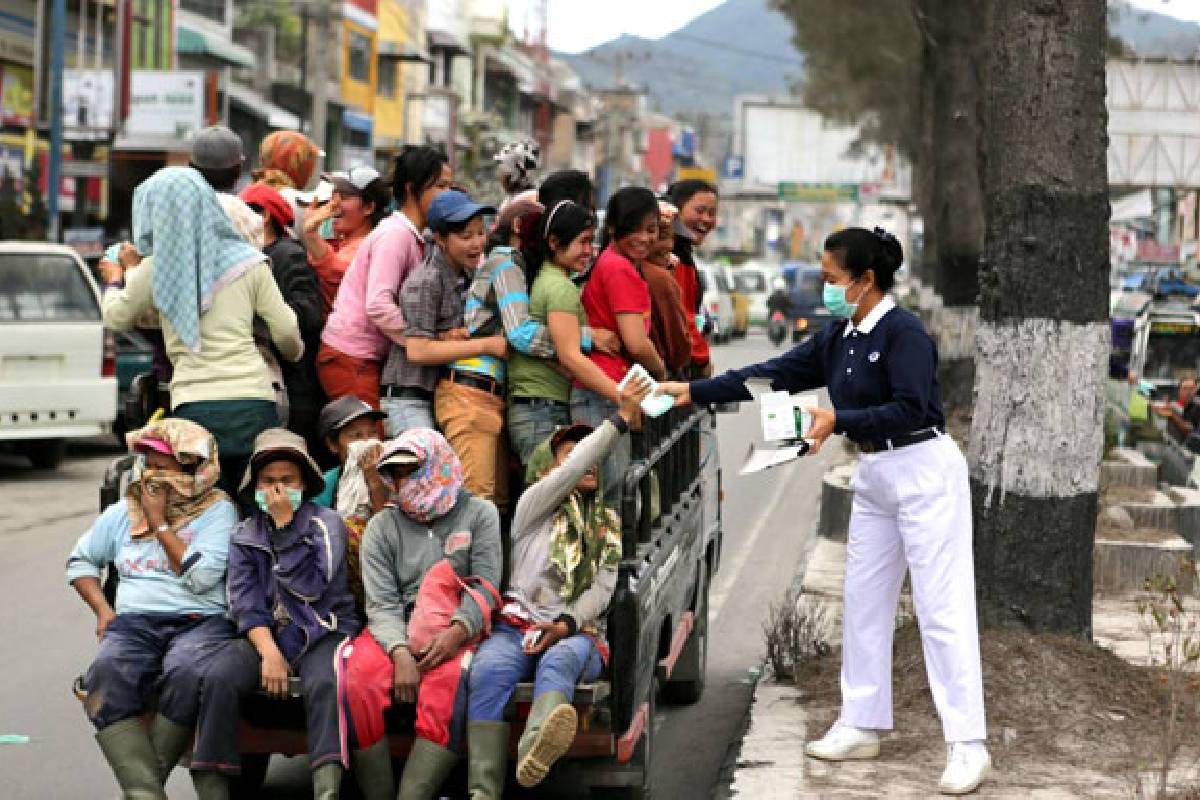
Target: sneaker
x,y
967,765
844,743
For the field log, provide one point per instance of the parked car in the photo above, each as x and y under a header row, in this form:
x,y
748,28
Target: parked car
x,y
809,314
57,365
716,301
754,281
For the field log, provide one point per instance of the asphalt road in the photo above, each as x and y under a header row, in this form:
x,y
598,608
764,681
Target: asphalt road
x,y
48,635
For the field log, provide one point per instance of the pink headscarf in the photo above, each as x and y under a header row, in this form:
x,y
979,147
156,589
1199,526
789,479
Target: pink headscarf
x,y
433,488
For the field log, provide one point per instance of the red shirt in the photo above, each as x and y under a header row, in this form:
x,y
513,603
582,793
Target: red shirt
x,y
689,290
615,287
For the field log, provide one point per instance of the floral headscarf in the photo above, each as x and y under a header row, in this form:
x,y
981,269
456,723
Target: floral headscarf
x,y
192,493
585,535
433,488
288,160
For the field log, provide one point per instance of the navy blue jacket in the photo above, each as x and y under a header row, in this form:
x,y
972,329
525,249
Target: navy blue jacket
x,y
882,381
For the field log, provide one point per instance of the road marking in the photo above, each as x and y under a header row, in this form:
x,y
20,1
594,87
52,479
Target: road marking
x,y
732,569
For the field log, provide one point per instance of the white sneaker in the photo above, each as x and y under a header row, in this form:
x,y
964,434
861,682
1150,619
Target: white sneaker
x,y
844,743
967,765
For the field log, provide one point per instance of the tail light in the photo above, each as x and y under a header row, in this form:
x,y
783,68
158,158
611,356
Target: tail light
x,y
108,364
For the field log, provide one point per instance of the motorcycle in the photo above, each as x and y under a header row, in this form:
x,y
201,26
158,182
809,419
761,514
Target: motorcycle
x,y
777,328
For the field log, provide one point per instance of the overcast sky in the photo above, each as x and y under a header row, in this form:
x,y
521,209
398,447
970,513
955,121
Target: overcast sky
x,y
1184,9
577,25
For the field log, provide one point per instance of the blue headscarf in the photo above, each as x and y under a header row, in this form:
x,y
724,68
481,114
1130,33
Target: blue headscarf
x,y
178,220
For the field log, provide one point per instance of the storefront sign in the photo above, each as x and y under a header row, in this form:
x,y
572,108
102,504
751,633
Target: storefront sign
x,y
87,103
165,103
16,95
818,192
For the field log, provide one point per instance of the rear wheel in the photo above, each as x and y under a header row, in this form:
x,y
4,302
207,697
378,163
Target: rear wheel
x,y
692,665
46,454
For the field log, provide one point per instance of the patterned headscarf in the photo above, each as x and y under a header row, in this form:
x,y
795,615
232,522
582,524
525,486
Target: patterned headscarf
x,y
516,163
433,488
178,220
192,493
585,535
288,160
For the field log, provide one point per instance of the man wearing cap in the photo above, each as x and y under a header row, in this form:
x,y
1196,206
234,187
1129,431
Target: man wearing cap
x,y
288,597
465,372
217,155
298,285
358,201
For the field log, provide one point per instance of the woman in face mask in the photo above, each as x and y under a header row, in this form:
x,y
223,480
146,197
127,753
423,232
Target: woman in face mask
x,y
288,596
912,502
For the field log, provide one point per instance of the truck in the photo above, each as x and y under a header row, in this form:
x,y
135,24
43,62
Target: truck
x,y
658,620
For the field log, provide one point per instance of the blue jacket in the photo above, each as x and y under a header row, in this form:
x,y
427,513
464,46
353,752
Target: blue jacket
x,y
291,579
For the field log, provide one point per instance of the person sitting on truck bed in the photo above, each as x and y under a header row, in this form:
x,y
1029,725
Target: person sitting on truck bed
x,y
435,530
566,548
168,539
288,597
350,428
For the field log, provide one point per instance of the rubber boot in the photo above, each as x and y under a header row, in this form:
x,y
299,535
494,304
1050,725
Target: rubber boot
x,y
170,740
210,785
548,735
127,748
327,781
487,754
425,771
373,771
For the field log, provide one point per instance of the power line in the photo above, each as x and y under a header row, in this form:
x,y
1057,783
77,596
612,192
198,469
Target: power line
x,y
796,62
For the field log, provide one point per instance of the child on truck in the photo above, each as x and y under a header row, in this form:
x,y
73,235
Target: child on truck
x,y
566,548
288,597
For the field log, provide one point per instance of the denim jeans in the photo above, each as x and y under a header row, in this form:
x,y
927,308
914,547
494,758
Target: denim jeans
x,y
144,652
236,675
592,409
501,663
234,424
406,413
531,423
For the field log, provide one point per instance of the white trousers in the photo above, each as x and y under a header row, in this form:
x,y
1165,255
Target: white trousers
x,y
912,512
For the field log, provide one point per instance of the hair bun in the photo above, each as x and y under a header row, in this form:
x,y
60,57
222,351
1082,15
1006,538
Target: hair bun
x,y
893,252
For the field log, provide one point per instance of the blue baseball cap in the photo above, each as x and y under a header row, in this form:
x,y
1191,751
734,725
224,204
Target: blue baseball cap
x,y
454,206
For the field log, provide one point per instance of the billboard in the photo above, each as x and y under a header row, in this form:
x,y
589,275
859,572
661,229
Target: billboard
x,y
166,103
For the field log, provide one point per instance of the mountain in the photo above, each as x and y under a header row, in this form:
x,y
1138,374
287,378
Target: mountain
x,y
738,47
1154,35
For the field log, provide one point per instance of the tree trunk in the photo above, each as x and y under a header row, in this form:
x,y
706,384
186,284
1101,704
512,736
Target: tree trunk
x,y
1043,335
958,33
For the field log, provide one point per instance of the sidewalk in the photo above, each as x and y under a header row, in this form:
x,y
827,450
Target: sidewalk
x,y
772,765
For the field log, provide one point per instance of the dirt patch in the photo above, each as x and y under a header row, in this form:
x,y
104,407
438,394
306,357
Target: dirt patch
x,y
1056,707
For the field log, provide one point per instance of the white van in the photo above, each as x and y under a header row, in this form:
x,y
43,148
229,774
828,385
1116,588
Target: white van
x,y
57,366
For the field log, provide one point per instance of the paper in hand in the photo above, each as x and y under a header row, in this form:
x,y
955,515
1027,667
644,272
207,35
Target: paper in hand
x,y
653,404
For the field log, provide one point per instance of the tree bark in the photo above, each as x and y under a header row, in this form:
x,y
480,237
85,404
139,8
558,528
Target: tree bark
x,y
958,35
1042,344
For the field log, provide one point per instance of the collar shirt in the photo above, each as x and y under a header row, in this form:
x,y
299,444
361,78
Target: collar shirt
x,y
432,303
881,375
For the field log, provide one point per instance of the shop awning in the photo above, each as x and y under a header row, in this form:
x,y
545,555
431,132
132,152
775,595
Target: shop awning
x,y
254,103
443,40
195,41
400,51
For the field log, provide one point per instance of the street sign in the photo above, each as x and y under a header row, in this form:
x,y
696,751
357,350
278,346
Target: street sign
x,y
818,192
734,167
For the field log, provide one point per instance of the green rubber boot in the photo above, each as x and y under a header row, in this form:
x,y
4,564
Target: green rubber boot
x,y
170,741
425,771
127,748
487,754
210,785
548,735
327,781
373,771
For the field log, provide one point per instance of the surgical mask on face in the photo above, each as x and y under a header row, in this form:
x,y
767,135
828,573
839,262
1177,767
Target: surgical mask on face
x,y
295,498
834,298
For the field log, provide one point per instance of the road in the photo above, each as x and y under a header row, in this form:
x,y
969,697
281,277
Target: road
x,y
48,632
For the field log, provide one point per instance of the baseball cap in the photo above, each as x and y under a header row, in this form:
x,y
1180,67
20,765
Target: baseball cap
x,y
217,147
264,196
454,206
323,193
339,413
353,181
576,432
396,456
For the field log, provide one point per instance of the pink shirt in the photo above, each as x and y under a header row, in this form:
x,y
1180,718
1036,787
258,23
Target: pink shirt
x,y
366,316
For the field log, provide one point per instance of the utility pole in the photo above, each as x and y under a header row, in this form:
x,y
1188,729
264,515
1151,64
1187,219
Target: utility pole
x,y
58,35
320,92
